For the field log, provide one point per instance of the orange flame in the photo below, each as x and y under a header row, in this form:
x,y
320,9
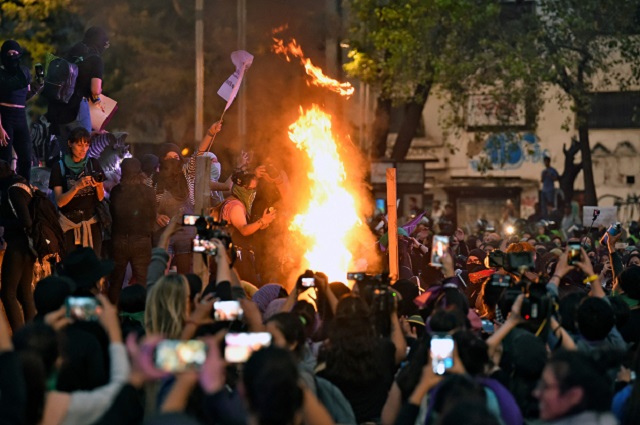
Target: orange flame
x,y
329,223
317,76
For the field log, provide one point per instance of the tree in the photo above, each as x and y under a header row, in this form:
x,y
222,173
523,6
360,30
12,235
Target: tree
x,y
402,49
586,46
40,27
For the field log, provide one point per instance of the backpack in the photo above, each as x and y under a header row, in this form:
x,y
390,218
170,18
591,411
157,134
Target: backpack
x,y
60,77
336,403
47,237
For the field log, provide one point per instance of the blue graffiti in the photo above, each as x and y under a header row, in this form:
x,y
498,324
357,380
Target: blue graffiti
x,y
509,152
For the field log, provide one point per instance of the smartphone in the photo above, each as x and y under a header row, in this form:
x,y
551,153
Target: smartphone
x,y
575,253
488,326
441,353
227,310
356,276
308,282
204,246
189,219
240,346
82,308
39,70
439,247
501,280
520,260
177,356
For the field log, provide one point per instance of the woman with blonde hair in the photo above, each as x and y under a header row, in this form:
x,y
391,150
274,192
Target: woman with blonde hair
x,y
167,307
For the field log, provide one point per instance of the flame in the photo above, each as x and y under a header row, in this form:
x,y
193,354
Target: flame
x,y
317,76
330,221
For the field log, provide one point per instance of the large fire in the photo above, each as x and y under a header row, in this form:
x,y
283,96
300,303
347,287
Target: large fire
x,y
329,223
317,76
330,219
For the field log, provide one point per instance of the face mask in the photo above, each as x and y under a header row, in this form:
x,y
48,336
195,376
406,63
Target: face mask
x,y
216,169
11,63
246,196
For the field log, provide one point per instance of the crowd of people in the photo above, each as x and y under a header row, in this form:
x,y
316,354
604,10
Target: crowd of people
x,y
480,327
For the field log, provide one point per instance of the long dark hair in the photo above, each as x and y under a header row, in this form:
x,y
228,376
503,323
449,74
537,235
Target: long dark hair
x,y
270,379
172,179
352,350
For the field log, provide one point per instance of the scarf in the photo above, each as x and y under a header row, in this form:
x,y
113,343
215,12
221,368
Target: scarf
x,y
244,195
75,167
137,316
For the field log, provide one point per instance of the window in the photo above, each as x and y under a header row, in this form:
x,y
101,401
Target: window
x,y
615,110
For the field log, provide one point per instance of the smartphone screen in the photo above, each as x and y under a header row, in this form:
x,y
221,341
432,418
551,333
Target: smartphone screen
x,y
178,356
575,254
204,245
227,310
441,353
189,219
240,346
82,308
439,247
355,276
501,280
308,282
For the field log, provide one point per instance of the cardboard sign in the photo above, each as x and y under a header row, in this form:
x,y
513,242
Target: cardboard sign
x,y
102,112
229,89
607,216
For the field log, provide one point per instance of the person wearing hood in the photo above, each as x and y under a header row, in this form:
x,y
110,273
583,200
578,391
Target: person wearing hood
x,y
88,56
18,261
133,209
15,90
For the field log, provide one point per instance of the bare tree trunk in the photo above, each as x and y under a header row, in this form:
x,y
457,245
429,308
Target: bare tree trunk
x,y
590,197
380,129
571,170
410,121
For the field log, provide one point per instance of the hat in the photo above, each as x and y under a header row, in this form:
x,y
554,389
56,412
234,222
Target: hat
x,y
149,163
130,167
416,320
51,292
273,308
10,45
165,148
85,268
96,36
384,240
265,295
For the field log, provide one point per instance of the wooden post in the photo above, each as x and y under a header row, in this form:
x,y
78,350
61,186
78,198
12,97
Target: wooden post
x,y
198,131
392,212
202,192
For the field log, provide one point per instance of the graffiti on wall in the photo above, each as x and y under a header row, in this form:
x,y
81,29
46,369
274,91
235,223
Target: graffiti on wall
x,y
508,152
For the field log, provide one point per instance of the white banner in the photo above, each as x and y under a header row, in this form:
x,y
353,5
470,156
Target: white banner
x,y
607,216
229,89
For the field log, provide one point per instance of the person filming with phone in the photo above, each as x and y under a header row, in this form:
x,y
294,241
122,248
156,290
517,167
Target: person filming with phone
x,y
77,183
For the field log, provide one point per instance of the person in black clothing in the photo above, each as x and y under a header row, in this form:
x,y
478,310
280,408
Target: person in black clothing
x,y
15,90
133,208
17,265
87,55
76,181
